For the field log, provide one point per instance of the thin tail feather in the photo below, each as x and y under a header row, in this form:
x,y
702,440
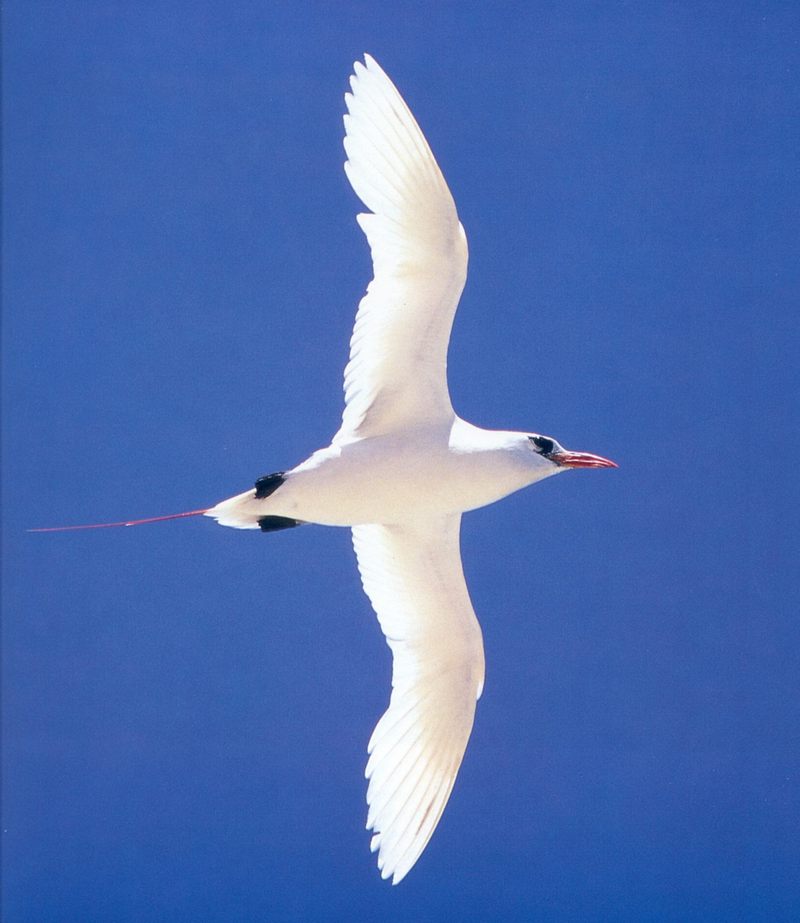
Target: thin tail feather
x,y
114,525
244,511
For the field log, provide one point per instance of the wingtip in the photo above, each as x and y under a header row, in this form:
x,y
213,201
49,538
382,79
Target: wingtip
x,y
368,64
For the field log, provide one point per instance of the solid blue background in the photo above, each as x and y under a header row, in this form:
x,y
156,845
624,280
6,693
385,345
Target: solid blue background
x,y
187,707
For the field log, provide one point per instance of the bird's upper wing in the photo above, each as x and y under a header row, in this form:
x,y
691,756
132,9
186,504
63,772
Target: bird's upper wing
x,y
397,373
412,575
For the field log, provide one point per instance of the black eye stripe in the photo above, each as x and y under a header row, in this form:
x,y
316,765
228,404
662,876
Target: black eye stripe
x,y
543,444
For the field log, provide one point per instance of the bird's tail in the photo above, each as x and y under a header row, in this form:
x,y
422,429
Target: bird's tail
x,y
240,512
244,511
114,525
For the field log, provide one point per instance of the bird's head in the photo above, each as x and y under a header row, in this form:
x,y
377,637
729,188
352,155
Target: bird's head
x,y
551,453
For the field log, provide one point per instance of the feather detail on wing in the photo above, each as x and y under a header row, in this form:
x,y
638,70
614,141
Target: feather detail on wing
x,y
397,373
412,575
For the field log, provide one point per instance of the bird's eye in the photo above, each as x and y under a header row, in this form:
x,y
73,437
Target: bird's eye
x,y
544,445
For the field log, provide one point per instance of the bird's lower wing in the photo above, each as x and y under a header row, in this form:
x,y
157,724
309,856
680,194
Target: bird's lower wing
x,y
397,373
412,575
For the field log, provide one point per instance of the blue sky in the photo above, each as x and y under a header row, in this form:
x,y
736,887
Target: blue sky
x,y
187,707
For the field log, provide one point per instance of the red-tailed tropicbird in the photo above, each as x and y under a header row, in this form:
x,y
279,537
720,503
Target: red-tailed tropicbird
x,y
402,469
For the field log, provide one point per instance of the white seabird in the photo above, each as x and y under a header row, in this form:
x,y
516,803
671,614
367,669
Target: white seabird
x,y
402,469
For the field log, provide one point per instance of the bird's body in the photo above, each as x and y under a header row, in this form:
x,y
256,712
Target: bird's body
x,y
432,470
402,469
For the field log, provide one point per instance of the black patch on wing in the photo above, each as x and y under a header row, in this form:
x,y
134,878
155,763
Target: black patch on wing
x,y
276,523
268,483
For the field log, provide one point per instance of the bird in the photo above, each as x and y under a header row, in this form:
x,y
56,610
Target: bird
x,y
402,470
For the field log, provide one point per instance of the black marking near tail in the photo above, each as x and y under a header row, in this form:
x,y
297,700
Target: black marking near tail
x,y
276,523
268,483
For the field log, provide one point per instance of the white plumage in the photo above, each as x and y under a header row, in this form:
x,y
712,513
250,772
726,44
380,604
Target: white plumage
x,y
398,351
403,467
413,578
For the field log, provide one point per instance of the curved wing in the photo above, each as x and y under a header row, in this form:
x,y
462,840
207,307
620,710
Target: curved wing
x,y
412,575
397,373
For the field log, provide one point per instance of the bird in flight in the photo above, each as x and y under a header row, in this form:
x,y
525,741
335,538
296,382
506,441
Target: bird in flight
x,y
402,469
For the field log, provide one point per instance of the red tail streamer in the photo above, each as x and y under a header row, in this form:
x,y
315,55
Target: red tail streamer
x,y
114,525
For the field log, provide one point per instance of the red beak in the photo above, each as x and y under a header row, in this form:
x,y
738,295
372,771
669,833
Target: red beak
x,y
582,460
